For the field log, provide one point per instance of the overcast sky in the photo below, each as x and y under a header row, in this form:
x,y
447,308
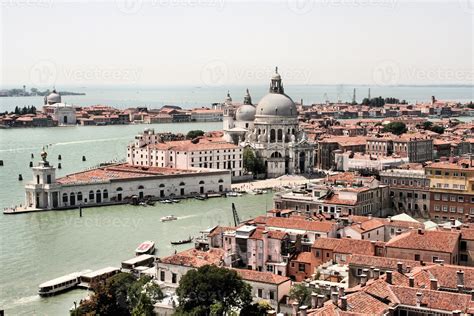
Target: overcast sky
x,y
216,42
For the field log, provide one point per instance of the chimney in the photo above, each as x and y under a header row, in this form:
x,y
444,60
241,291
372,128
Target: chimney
x,y
314,300
344,303
400,267
363,279
320,300
460,277
294,310
420,231
366,272
411,281
341,292
388,277
370,216
334,297
419,296
371,274
376,273
434,284
398,232
303,310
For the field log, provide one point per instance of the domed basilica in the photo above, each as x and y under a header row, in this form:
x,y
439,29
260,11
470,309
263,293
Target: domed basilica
x,y
271,129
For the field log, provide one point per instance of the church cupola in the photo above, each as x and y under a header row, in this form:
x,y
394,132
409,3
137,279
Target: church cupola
x,y
228,99
275,85
248,98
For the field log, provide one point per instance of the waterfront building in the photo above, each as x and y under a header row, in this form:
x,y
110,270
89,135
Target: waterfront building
x,y
65,114
272,131
416,147
206,115
149,149
349,161
116,184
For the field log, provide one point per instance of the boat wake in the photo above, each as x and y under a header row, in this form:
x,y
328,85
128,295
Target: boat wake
x,y
23,301
88,141
186,216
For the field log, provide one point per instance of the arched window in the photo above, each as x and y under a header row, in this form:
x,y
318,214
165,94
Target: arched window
x,y
79,196
119,189
220,181
65,198
105,194
201,182
272,135
91,195
280,135
182,183
162,185
140,187
276,154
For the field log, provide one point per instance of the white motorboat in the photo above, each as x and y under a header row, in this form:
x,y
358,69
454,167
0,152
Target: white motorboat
x,y
145,248
233,194
169,218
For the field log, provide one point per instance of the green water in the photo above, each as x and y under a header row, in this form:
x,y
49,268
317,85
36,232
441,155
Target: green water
x,y
41,246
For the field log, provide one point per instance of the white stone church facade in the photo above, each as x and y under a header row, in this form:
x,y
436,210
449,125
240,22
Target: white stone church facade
x,y
271,129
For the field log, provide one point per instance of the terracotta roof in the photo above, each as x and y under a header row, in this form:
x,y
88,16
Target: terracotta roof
x,y
467,234
367,225
116,172
345,245
205,143
381,262
219,230
195,258
289,223
438,241
306,257
447,275
262,277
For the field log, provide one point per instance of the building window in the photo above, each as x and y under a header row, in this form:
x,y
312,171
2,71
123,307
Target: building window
x,y
452,209
162,276
301,267
453,198
105,194
417,257
272,295
260,293
461,199
173,277
91,195
65,198
437,197
79,196
445,208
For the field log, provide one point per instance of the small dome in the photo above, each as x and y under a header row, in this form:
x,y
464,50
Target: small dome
x,y
53,97
245,112
276,104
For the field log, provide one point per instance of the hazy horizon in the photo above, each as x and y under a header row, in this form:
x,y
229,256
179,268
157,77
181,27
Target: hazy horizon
x,y
46,43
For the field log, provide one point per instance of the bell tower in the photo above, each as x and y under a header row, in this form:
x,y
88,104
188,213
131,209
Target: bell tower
x,y
275,85
39,192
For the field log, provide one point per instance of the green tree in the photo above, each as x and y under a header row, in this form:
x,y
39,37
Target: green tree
x,y
427,125
121,295
194,133
257,309
302,294
437,129
396,128
212,290
249,159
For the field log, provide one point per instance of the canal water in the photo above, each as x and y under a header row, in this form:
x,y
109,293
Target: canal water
x,y
41,246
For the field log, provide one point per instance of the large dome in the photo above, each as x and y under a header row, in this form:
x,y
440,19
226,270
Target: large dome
x,y
245,112
276,104
53,98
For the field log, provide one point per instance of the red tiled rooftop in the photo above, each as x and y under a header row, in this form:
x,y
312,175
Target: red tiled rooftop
x,y
195,258
289,223
262,277
440,241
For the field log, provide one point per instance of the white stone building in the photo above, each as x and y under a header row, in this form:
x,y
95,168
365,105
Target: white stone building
x,y
202,152
116,184
65,114
272,131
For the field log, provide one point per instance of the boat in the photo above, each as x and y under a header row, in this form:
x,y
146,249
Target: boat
x,y
233,194
142,204
200,197
166,201
150,202
169,218
61,284
145,248
184,241
175,201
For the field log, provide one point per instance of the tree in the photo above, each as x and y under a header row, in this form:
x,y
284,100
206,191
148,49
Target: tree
x,y
427,125
437,129
396,128
122,295
252,163
211,290
300,293
257,309
195,133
